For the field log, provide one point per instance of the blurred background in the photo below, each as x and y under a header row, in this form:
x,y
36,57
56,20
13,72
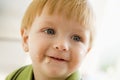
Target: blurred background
x,y
103,62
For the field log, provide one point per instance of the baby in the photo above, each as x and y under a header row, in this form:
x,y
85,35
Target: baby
x,y
57,34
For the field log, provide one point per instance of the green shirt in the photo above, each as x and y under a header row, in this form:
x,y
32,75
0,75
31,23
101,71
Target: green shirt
x,y
26,73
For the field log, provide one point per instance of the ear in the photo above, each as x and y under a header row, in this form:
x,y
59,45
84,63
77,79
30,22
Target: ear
x,y
25,35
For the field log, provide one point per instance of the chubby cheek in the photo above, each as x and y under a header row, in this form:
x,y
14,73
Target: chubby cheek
x,y
37,50
76,58
36,55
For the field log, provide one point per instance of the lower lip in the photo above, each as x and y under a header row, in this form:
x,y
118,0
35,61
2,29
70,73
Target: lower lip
x,y
57,60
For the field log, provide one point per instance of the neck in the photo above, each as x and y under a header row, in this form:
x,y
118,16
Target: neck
x,y
44,77
47,78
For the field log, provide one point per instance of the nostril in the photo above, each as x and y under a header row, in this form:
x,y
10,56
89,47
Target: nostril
x,y
62,49
57,48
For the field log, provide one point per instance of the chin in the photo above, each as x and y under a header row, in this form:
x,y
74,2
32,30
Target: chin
x,y
54,72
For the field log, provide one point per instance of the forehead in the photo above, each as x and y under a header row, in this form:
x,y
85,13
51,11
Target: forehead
x,y
57,20
73,9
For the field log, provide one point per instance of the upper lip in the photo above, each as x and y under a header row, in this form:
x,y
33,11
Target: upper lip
x,y
59,57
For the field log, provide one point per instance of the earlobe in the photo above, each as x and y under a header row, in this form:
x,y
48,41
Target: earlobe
x,y
24,35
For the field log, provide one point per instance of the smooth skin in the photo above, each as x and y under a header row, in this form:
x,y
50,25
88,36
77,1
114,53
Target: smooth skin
x,y
56,46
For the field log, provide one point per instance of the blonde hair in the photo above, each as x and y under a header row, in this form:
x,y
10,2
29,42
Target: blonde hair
x,y
77,9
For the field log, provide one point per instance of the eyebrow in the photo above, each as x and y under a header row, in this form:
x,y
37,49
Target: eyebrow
x,y
51,22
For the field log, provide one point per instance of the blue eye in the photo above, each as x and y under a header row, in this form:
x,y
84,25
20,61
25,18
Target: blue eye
x,y
50,31
76,38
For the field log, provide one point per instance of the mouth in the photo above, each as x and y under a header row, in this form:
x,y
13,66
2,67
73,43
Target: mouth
x,y
58,59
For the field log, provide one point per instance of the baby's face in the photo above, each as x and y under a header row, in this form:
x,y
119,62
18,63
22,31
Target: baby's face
x,y
57,45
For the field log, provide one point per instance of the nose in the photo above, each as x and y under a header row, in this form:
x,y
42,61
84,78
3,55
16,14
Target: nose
x,y
61,46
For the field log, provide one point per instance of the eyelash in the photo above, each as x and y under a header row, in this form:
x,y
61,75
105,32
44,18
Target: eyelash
x,y
51,32
76,38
